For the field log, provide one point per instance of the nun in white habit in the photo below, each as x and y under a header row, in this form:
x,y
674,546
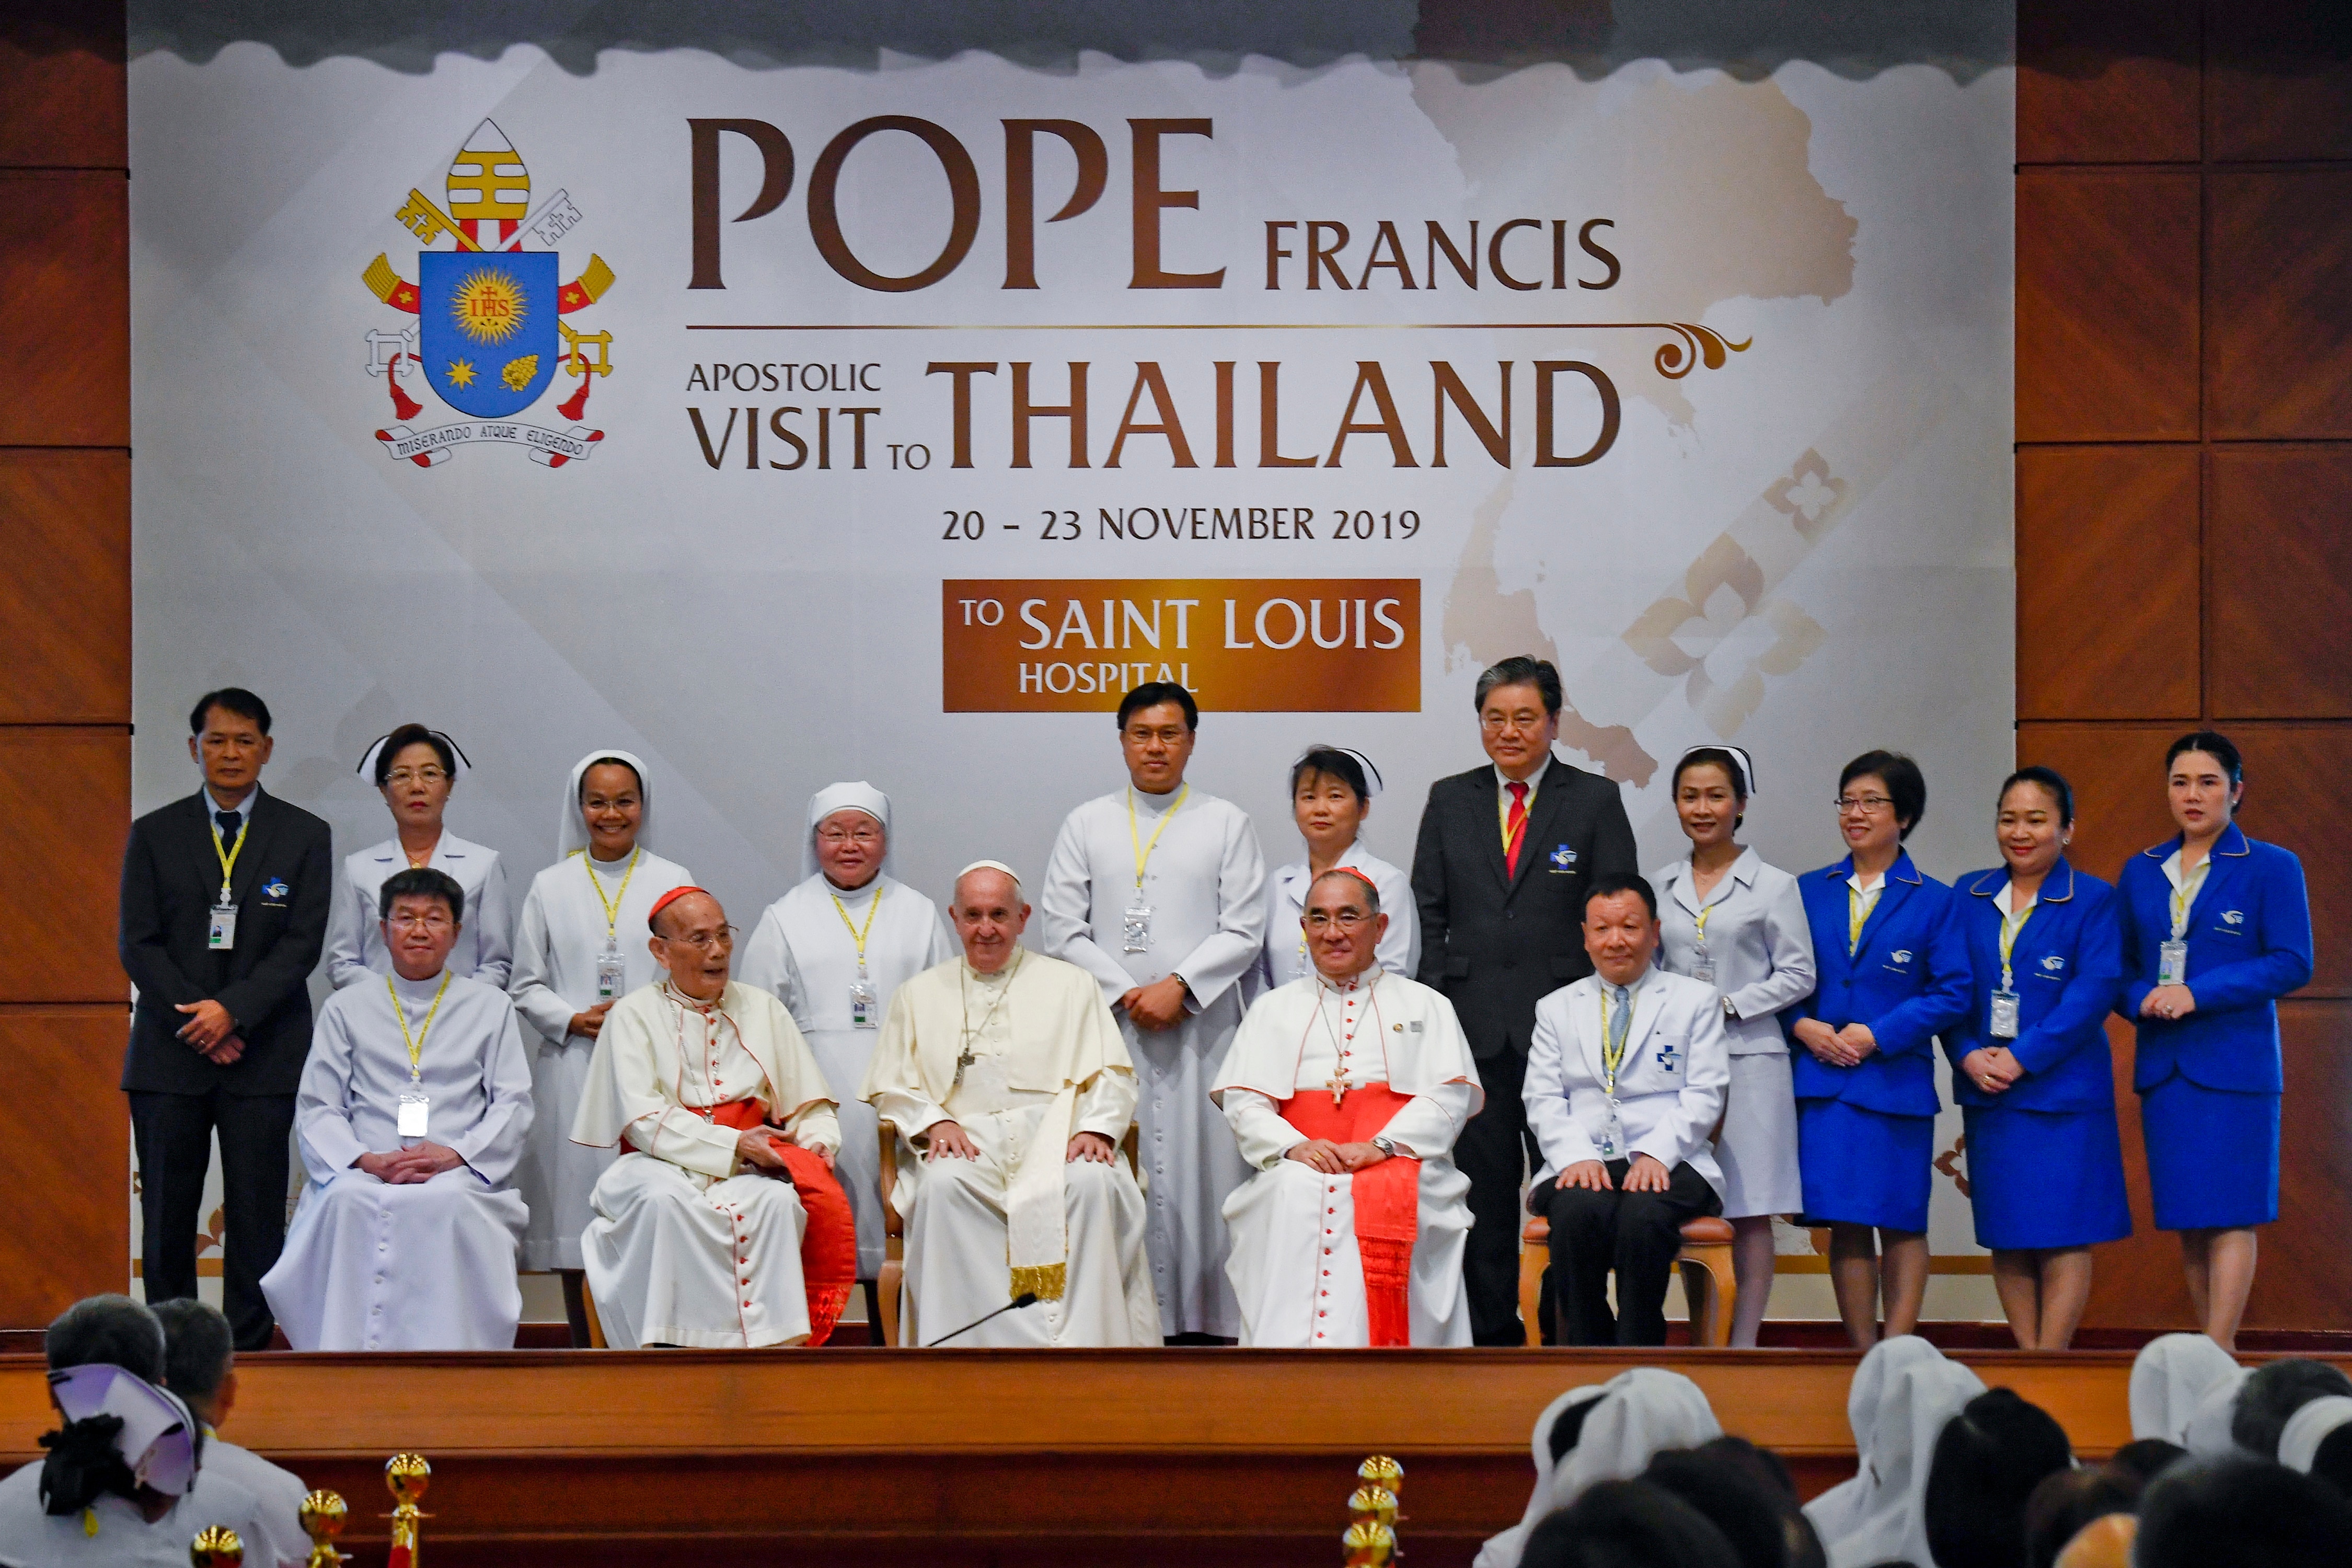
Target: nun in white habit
x,y
415,768
1903,1393
834,951
2170,1378
579,947
1634,1416
2310,1427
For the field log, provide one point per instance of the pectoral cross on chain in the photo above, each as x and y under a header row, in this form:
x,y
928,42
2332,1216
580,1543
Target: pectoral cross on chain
x,y
1337,1084
962,1062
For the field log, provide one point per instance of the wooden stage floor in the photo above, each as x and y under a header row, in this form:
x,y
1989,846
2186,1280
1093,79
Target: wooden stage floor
x,y
977,1457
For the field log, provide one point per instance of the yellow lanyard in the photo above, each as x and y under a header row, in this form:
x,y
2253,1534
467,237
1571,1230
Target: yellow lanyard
x,y
1503,804
227,857
416,1044
1142,850
2010,924
613,904
2182,896
1858,905
855,935
1701,925
1611,1060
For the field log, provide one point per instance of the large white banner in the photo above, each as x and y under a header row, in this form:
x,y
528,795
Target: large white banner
x,y
786,425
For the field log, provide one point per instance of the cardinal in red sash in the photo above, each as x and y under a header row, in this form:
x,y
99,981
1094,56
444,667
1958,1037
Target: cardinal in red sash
x,y
1346,1089
721,1225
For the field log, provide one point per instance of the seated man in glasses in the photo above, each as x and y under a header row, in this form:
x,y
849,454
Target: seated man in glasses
x,y
721,1225
1346,1089
411,1115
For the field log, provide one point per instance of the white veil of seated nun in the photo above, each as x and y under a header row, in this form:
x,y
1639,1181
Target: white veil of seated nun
x,y
574,910
2171,1377
485,949
1023,1059
1904,1392
1370,1256
1632,1417
2208,1434
2310,1427
835,956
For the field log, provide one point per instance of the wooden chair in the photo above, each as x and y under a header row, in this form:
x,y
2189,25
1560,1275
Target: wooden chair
x,y
1708,1284
894,1228
593,1324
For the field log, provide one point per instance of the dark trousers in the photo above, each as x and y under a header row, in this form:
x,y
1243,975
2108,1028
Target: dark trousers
x,y
1636,1234
174,1137
1496,1151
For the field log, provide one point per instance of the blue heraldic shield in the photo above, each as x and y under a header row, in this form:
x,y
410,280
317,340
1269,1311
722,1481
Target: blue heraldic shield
x,y
488,328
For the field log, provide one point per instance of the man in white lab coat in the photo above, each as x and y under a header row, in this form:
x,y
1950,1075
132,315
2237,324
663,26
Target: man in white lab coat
x,y
1626,1074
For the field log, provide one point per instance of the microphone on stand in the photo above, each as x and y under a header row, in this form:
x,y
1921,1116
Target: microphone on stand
x,y
1026,1299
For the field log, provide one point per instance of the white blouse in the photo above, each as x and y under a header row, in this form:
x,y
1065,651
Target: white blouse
x,y
1757,938
485,949
1285,958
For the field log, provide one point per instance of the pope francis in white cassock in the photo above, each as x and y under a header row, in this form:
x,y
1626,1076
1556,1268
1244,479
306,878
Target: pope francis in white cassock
x,y
1345,1088
720,1225
1010,1090
834,951
413,1110
580,947
1159,892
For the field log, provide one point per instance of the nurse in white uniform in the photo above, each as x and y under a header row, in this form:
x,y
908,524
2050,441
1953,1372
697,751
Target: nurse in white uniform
x,y
832,951
579,947
1725,916
417,768
1331,792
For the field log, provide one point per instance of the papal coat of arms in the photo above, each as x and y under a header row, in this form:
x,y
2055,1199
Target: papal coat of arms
x,y
489,333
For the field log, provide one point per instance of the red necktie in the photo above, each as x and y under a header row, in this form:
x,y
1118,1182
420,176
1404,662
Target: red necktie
x,y
1515,829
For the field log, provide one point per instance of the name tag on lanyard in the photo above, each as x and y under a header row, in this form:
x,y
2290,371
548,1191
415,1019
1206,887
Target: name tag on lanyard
x,y
1135,928
609,971
1612,1136
2172,962
415,1110
2004,1014
220,933
861,1004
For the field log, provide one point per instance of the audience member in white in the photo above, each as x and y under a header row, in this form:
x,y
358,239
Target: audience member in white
x,y
1904,1392
200,1367
1608,1433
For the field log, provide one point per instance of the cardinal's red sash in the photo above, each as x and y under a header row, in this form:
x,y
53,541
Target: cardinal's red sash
x,y
829,1247
1387,1197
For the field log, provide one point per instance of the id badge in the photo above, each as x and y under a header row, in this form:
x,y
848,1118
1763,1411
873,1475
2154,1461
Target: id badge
x,y
1703,968
2004,1014
1135,928
221,934
608,975
2172,963
414,1109
861,1005
1612,1137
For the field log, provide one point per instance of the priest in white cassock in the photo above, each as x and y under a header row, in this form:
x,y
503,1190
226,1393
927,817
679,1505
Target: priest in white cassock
x,y
720,1225
1345,1088
578,949
1159,892
1010,1090
834,951
413,1111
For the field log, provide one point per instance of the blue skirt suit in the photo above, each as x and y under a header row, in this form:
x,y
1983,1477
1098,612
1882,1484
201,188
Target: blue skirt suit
x,y
2046,1161
2210,1083
1866,1134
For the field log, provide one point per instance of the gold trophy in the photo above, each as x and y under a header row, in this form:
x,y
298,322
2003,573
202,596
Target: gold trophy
x,y
406,1475
216,1546
323,1515
1369,1544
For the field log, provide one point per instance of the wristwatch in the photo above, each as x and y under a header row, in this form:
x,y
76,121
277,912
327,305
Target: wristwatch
x,y
1385,1144
1729,1011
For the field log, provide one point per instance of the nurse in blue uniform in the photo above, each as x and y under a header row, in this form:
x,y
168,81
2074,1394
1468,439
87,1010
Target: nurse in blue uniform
x,y
2216,929
1894,973
2031,1066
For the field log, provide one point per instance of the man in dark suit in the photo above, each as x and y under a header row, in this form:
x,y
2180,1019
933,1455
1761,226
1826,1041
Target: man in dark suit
x,y
1504,854
224,903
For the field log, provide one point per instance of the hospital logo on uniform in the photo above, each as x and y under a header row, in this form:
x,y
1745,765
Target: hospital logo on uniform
x,y
1901,955
489,333
275,888
2053,963
1563,858
2233,917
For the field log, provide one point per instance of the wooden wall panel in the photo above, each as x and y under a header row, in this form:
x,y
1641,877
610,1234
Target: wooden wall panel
x,y
65,812
2107,578
2106,82
62,103
2106,305
2305,1277
65,274
64,600
2278,309
2279,84
2118,772
68,1230
2294,797
2282,579
2136,1283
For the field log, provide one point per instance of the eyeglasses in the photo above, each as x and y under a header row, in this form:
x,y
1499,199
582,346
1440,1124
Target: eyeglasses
x,y
436,922
1496,724
704,941
837,837
427,774
1868,805
1346,920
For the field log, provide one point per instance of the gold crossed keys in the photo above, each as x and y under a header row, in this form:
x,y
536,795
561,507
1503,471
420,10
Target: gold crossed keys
x,y
428,223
